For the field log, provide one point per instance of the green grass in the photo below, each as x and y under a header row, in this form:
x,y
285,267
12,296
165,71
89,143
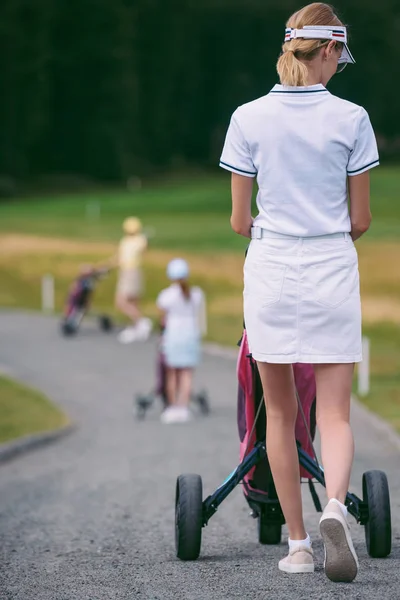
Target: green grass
x,y
24,411
384,396
191,217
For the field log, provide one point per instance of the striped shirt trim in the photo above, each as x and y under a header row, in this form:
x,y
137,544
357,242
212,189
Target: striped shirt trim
x,y
297,91
223,164
374,163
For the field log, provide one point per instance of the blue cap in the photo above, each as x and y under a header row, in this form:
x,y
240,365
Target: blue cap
x,y
177,269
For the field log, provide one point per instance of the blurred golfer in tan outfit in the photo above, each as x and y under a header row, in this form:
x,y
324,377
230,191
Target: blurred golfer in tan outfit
x,y
130,281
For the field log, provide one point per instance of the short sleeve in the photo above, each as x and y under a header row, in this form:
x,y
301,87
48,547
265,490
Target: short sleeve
x,y
197,295
201,307
162,301
364,155
236,155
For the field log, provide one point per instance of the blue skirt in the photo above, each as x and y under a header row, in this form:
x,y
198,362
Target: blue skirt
x,y
181,351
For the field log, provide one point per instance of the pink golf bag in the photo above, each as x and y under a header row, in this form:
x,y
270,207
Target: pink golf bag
x,y
258,481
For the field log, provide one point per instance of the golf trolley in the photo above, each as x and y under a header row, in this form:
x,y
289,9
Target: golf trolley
x,y
192,513
79,301
143,402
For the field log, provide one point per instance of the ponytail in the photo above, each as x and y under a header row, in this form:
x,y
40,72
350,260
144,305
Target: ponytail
x,y
292,64
291,70
185,288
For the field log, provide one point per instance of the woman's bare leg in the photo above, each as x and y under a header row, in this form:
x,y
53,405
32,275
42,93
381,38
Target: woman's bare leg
x,y
172,386
185,378
128,306
333,420
281,405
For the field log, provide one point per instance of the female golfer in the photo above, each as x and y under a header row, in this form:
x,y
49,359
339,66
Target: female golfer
x,y
130,281
182,312
308,150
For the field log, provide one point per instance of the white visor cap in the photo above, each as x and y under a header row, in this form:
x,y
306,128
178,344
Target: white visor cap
x,y
323,32
177,269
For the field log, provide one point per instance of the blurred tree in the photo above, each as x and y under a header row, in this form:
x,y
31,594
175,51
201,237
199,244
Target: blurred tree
x,y
25,52
113,89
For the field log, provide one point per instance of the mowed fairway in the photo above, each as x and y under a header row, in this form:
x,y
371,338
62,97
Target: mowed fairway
x,y
55,234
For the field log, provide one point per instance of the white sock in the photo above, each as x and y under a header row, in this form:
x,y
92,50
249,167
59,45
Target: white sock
x,y
342,506
295,543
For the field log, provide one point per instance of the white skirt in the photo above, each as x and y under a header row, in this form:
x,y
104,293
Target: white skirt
x,y
302,299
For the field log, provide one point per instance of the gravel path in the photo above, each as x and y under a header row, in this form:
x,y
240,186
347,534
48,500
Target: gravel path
x,y
92,516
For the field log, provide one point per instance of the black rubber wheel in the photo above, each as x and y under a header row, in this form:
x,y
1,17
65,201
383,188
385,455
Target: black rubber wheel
x,y
143,403
378,529
188,516
105,323
202,401
67,328
269,532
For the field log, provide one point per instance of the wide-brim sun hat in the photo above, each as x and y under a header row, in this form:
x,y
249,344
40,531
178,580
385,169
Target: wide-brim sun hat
x,y
132,225
324,32
177,269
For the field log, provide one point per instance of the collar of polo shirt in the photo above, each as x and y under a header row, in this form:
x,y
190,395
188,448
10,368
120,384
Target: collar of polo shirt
x,y
323,32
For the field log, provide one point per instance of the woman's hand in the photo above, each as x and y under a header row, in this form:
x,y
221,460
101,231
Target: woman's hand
x,y
241,219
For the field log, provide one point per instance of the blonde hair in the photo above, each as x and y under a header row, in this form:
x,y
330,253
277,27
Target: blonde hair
x,y
132,226
291,70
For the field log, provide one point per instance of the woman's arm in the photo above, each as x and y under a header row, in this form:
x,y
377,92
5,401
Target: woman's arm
x,y
241,219
360,213
110,263
202,314
162,315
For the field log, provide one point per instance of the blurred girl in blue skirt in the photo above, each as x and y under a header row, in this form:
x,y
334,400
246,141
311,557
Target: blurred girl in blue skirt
x,y
182,309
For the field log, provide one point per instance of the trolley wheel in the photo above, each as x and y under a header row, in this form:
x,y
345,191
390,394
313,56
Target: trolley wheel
x,y
203,402
188,516
68,328
143,403
105,323
378,529
269,532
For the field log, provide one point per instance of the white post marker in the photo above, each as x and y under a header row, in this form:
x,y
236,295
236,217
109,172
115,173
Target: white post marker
x,y
93,211
363,369
47,293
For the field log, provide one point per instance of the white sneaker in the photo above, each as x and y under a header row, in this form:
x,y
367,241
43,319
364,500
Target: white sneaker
x,y
341,562
183,414
143,329
168,415
299,560
128,335
175,414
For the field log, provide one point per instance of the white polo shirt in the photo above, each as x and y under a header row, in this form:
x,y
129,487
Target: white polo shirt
x,y
301,143
184,316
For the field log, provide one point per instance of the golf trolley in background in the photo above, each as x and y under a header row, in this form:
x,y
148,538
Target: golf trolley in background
x,y
192,513
79,301
144,402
